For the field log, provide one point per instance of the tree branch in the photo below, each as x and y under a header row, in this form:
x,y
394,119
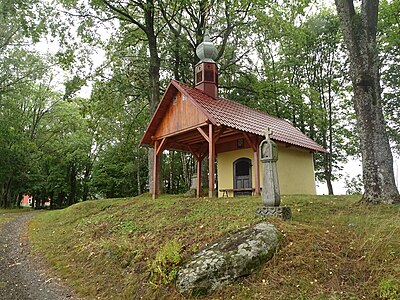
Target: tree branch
x,y
125,15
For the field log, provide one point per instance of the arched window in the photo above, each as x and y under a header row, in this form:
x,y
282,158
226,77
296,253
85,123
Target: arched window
x,y
242,177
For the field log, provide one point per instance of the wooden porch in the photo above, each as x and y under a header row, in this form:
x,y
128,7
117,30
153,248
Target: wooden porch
x,y
206,140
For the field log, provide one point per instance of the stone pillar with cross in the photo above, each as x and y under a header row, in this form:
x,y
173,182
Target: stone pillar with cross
x,y
269,156
271,197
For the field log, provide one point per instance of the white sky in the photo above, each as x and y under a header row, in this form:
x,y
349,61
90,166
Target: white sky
x,y
351,169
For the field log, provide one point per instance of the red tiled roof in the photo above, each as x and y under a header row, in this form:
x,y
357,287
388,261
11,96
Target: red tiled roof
x,y
235,115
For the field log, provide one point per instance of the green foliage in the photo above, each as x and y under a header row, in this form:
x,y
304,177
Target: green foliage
x,y
164,268
299,76
389,289
354,185
389,47
282,58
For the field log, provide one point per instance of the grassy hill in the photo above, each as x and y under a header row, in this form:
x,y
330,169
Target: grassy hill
x,y
131,248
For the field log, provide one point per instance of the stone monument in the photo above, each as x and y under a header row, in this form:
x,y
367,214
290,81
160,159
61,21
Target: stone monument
x,y
271,197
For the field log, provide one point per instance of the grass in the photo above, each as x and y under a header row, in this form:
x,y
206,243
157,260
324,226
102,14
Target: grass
x,y
9,214
131,248
14,210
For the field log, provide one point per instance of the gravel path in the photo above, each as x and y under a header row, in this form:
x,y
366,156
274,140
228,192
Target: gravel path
x,y
22,275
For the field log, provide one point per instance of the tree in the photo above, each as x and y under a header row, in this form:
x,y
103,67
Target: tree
x,y
389,49
322,72
299,77
359,27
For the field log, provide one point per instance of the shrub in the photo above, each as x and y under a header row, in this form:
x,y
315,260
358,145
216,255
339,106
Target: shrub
x,y
164,268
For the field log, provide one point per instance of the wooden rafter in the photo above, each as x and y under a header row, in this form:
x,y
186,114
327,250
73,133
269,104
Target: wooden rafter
x,y
219,134
182,131
193,152
161,147
250,141
229,138
199,155
206,137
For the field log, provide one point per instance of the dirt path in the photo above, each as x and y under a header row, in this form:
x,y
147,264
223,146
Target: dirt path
x,y
22,275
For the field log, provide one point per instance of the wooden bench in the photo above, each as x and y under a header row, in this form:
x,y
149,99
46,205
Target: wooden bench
x,y
225,192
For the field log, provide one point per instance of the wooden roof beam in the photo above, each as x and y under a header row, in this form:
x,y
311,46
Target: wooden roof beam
x,y
198,156
250,141
230,138
161,147
194,139
219,134
182,131
205,136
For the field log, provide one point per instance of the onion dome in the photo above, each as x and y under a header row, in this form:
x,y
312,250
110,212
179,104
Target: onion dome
x,y
206,51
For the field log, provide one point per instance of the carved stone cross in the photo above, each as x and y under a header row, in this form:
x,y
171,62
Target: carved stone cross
x,y
271,197
269,157
268,133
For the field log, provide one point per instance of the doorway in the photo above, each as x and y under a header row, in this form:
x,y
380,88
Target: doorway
x,y
242,177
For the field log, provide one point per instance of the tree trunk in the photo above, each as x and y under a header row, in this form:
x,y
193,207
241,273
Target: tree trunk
x,y
139,182
20,196
60,200
148,8
186,170
359,32
86,180
204,173
154,80
72,185
51,197
6,193
329,183
150,159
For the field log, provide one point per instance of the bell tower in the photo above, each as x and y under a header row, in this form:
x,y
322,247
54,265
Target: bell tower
x,y
206,70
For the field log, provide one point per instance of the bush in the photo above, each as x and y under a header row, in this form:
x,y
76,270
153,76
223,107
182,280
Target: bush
x,y
163,269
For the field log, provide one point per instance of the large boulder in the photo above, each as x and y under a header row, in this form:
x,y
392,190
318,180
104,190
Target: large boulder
x,y
228,258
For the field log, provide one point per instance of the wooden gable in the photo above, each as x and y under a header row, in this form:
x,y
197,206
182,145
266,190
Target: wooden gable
x,y
180,115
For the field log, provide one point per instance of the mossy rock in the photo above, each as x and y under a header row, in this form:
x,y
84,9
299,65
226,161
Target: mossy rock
x,y
233,256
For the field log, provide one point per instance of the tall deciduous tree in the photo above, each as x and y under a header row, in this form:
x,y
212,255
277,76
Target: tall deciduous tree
x,y
143,15
359,26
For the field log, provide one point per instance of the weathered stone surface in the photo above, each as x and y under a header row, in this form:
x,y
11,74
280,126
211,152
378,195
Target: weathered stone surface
x,y
228,258
269,156
275,211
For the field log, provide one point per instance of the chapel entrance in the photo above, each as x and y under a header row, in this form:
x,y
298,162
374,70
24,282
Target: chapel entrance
x,y
242,177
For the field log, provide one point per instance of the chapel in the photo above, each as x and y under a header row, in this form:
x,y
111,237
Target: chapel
x,y
195,119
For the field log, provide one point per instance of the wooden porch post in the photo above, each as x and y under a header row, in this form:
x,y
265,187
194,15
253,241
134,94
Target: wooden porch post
x,y
199,158
257,171
211,161
254,143
155,170
198,187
